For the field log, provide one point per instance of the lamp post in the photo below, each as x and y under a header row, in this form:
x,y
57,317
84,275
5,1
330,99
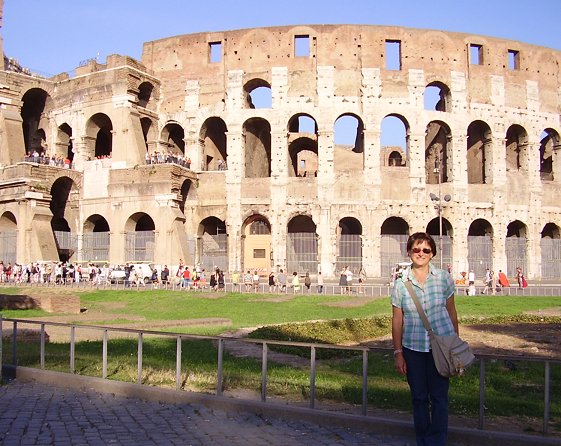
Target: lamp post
x,y
438,204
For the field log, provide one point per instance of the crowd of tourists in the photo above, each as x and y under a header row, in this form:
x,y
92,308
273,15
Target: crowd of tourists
x,y
48,160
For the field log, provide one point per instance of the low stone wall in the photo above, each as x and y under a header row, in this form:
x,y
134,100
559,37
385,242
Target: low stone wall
x,y
52,303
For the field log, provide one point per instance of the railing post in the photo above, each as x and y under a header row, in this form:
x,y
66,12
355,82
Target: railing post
x,y
104,355
72,349
220,366
547,400
178,364
15,344
42,347
264,373
139,359
312,377
364,381
481,393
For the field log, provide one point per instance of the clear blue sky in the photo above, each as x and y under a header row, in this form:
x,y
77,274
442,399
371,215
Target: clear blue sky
x,y
52,36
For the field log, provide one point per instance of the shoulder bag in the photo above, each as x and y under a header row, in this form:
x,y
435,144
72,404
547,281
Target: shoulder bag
x,y
451,354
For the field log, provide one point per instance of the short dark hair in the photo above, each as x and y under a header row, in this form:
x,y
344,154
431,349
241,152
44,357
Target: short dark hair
x,y
420,237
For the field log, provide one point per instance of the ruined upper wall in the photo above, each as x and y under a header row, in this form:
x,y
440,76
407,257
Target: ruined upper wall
x,y
349,49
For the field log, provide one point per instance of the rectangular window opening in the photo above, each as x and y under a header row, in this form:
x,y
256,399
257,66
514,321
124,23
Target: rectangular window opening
x,y
215,52
475,54
513,60
259,253
393,55
302,46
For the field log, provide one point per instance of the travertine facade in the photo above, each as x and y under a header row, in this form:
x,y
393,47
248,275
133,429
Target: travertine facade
x,y
267,186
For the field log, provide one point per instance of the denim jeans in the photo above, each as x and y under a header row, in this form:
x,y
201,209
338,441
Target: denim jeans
x,y
429,393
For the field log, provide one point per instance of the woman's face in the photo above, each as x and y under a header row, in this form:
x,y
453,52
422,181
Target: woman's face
x,y
423,255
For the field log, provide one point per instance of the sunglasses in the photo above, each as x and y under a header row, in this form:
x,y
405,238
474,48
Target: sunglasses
x,y
418,250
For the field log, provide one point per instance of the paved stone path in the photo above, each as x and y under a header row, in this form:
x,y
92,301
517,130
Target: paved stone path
x,y
32,413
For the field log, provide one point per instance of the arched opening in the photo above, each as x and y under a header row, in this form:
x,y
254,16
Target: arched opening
x,y
516,247
140,235
480,247
258,94
516,147
173,138
438,153
348,132
549,145
302,146
349,245
396,159
479,153
256,243
393,245
437,97
95,240
64,147
147,132
8,238
257,147
213,244
302,245
213,141
35,103
63,193
444,253
100,135
550,245
144,94
188,194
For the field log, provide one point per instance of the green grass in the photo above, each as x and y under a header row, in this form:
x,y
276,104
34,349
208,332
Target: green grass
x,y
511,392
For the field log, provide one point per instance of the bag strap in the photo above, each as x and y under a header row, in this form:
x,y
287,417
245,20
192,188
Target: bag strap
x,y
420,310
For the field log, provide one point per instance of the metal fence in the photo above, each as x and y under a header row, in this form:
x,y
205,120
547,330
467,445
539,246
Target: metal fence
x,y
139,246
214,252
302,252
480,254
364,351
95,247
349,253
393,251
516,250
8,246
551,258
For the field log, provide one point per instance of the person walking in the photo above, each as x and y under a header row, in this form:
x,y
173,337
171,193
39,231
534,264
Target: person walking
x,y
320,283
412,355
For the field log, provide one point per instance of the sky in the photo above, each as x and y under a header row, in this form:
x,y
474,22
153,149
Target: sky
x,y
53,36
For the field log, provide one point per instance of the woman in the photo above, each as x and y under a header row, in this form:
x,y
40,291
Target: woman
x,y
412,356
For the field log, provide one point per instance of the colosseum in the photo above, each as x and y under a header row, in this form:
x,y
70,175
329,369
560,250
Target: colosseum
x,y
221,148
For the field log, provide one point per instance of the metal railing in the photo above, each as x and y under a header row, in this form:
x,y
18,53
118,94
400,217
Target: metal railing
x,y
221,341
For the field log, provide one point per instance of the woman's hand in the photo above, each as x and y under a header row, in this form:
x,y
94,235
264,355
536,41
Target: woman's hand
x,y
399,363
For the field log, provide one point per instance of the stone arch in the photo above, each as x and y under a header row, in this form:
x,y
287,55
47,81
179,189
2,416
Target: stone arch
x,y
349,244
437,97
36,103
516,247
349,156
257,148
64,142
8,237
438,153
99,131
65,195
444,254
479,152
258,94
302,145
395,124
516,149
96,239
213,140
149,133
213,244
140,238
480,247
145,90
257,251
173,138
550,248
188,192
302,244
393,244
549,146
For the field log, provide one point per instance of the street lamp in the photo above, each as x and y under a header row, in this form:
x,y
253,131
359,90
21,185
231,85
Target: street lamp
x,y
438,206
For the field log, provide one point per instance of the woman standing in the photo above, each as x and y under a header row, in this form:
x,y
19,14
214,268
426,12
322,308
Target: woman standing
x,y
412,355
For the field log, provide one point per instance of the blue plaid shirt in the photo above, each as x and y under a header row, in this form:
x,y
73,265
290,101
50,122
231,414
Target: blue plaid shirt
x,y
439,287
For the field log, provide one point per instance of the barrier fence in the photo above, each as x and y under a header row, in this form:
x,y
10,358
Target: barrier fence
x,y
12,360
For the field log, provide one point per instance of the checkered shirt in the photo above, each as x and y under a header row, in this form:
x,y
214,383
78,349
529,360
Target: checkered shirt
x,y
439,287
